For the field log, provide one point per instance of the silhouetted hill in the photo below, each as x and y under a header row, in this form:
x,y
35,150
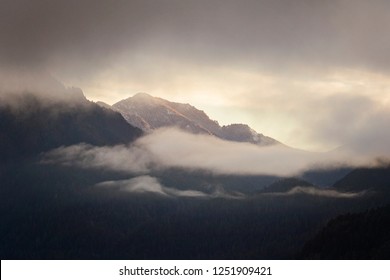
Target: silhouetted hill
x,y
325,177
285,185
208,182
58,212
35,125
370,179
353,236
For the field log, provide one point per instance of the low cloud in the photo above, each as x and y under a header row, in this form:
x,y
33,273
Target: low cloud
x,y
128,159
175,148
141,184
170,148
317,192
148,184
19,86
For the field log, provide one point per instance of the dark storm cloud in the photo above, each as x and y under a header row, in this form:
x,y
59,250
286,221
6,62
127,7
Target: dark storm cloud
x,y
34,31
89,34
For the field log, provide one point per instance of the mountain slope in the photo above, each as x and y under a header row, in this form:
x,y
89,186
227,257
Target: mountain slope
x,y
36,125
149,113
353,236
361,179
285,185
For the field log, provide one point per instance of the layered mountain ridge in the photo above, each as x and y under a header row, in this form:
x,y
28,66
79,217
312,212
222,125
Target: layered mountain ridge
x,y
73,211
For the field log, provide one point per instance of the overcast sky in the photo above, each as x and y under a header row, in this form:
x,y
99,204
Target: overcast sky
x,y
313,74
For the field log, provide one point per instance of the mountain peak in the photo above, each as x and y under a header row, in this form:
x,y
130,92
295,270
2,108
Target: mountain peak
x,y
147,112
142,95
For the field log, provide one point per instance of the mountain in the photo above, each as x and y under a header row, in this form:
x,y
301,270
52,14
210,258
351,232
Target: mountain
x,y
148,113
325,177
285,185
205,181
35,124
361,179
104,105
364,235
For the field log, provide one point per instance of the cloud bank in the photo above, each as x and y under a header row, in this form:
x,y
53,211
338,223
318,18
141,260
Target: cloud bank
x,y
167,148
318,192
148,184
121,158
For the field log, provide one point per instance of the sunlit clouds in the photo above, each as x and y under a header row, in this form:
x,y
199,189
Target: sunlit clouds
x,y
320,112
292,70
